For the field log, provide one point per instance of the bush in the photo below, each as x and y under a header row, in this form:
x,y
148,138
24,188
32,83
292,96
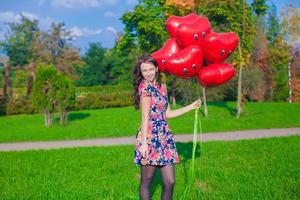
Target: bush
x,y
3,104
22,105
95,100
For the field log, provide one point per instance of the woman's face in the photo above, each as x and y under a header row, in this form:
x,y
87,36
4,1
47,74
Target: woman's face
x,y
149,71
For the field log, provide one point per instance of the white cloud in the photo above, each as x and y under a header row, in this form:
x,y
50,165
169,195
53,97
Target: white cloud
x,y
83,32
40,2
46,22
8,17
112,29
111,14
81,3
30,16
11,17
74,3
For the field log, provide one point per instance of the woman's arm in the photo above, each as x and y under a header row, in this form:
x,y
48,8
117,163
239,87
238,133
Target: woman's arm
x,y
175,113
145,109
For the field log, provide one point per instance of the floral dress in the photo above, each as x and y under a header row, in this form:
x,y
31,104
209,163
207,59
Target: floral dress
x,y
160,140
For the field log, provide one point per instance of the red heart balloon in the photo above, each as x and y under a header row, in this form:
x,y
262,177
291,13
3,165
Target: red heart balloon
x,y
193,32
170,47
174,21
215,74
218,46
186,63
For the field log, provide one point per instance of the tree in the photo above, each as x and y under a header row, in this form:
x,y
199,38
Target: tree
x,y
95,71
145,26
18,42
259,59
17,47
65,96
52,89
295,69
44,92
235,16
272,25
260,7
291,31
58,51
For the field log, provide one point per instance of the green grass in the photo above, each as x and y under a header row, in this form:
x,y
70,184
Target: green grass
x,y
116,122
248,169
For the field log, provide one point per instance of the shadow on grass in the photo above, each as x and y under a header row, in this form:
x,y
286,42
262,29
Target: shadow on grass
x,y
78,116
185,151
73,117
231,109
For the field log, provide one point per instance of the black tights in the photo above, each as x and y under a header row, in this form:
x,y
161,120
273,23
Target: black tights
x,y
168,178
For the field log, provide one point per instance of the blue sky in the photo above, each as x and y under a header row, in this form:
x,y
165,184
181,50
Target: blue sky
x,y
89,20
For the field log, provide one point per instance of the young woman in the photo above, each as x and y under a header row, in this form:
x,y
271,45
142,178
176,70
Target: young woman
x,y
155,146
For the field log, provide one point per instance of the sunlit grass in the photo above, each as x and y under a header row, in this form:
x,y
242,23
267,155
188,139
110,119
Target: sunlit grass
x,y
253,169
116,122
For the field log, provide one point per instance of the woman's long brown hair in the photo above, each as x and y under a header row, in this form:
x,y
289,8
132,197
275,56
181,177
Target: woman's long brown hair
x,y
138,77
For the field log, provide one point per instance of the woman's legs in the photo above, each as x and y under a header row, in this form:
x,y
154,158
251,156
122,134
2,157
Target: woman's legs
x,y
147,172
168,178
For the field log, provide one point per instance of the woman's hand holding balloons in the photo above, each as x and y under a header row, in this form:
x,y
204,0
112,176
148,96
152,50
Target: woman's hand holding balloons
x,y
196,104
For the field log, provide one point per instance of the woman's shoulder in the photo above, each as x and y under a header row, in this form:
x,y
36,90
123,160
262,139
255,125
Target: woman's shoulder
x,y
144,84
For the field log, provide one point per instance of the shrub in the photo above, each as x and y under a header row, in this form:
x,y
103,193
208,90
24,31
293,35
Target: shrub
x,y
22,105
3,104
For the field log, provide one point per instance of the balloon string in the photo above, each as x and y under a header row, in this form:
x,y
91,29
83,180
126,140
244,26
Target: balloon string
x,y
191,173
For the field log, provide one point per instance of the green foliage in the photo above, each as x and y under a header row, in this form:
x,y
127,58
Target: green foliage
x,y
3,104
44,90
21,105
1,75
68,97
65,95
145,26
225,17
96,101
103,89
19,78
279,60
52,90
17,45
95,71
273,24
260,7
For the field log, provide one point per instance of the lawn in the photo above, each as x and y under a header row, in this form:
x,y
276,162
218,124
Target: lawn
x,y
248,169
116,122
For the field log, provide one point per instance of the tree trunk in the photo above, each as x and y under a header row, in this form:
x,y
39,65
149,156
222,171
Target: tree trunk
x,y
48,118
173,101
63,117
31,68
186,93
239,97
173,92
204,102
290,83
7,90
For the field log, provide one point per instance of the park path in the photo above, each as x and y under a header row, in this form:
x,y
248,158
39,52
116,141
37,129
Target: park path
x,y
215,136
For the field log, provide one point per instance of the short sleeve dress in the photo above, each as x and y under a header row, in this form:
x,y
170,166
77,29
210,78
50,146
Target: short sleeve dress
x,y
161,144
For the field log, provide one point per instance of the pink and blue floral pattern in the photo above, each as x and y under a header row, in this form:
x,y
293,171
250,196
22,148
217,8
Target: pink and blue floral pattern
x,y
161,145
